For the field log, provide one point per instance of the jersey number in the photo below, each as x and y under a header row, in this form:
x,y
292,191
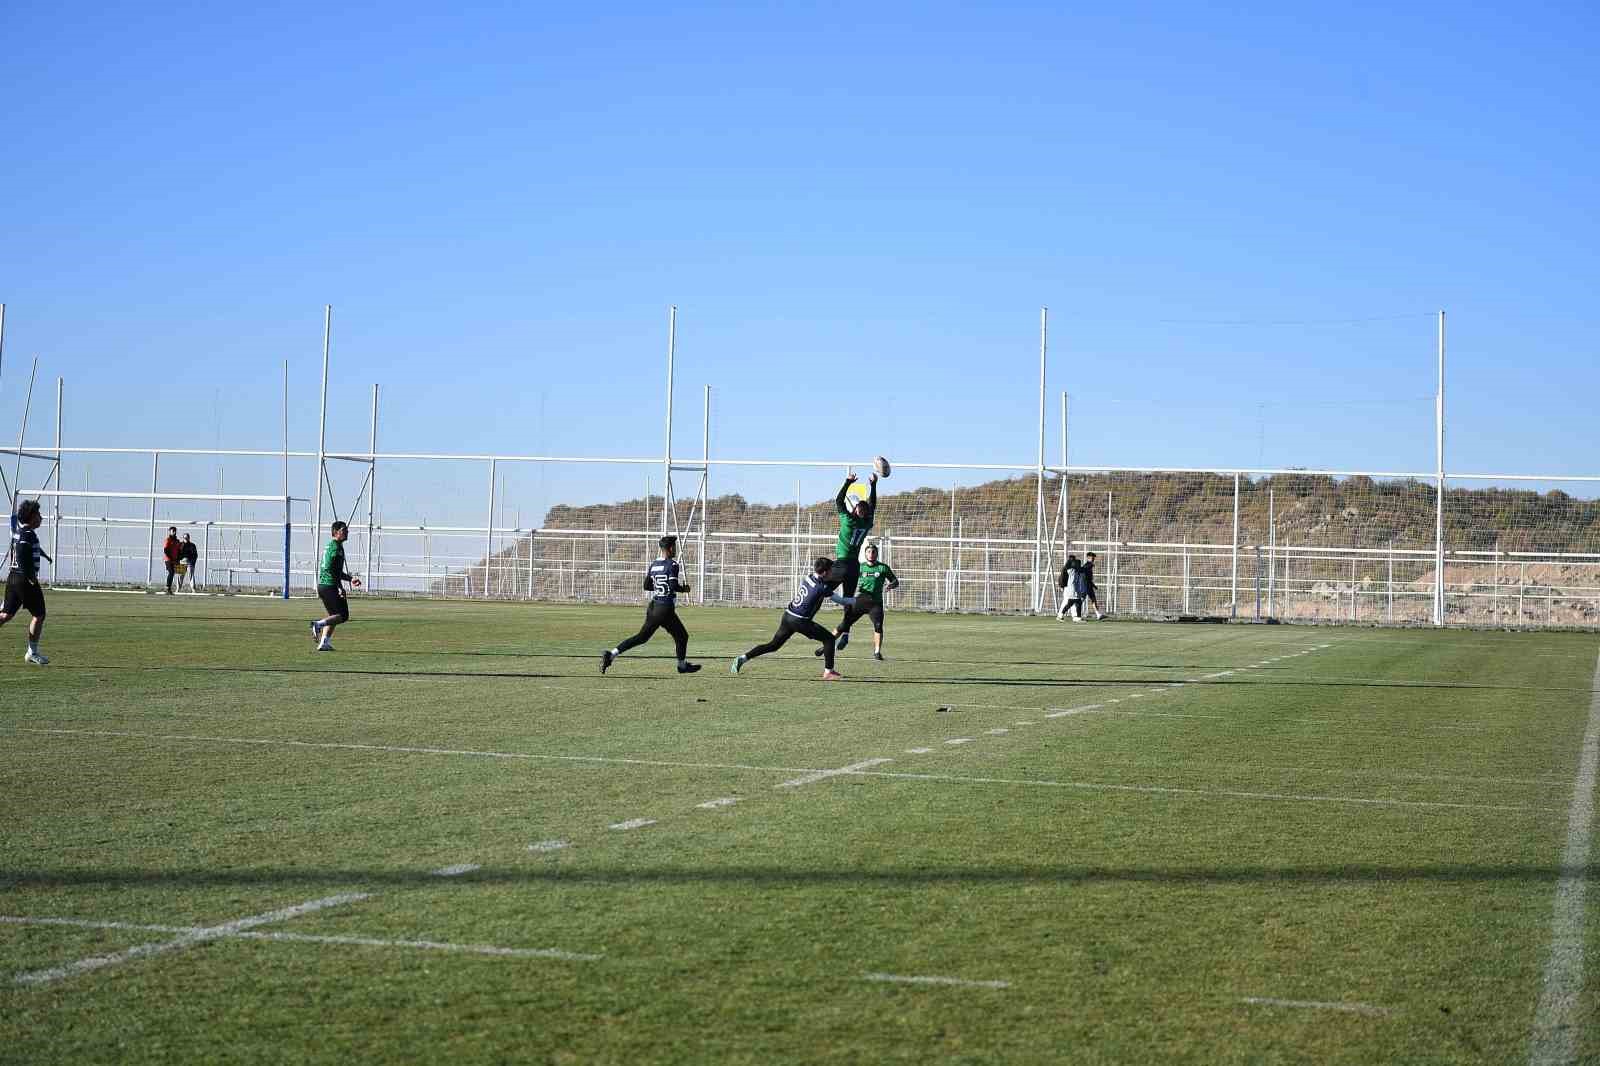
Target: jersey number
x,y
663,585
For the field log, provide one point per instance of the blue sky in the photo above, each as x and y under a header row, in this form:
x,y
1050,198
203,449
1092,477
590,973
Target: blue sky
x,y
1241,221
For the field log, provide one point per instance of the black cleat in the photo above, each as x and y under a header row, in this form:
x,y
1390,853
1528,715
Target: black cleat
x,y
688,668
878,655
841,641
606,659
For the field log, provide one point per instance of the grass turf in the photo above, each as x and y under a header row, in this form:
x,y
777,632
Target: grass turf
x,y
1366,818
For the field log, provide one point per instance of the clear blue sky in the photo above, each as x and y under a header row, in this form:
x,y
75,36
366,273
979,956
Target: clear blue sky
x,y
855,209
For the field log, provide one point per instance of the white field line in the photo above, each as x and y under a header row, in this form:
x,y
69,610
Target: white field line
x,y
396,749
548,845
1309,1004
1167,790
1557,1020
822,775
918,751
959,740
722,801
904,980
632,823
307,938
187,938
997,732
1075,710
457,870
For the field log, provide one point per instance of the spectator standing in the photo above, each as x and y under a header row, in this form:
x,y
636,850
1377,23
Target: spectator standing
x,y
172,552
191,559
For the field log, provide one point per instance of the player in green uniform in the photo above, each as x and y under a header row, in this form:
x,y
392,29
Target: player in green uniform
x,y
331,576
876,579
855,520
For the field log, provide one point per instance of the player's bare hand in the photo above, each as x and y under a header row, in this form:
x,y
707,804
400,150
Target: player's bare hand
x,y
873,477
355,582
849,477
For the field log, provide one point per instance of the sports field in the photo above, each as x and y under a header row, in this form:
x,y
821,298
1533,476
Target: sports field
x,y
1014,841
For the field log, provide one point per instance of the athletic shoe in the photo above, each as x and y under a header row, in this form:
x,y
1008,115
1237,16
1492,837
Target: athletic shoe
x,y
832,675
1098,616
316,633
324,646
878,655
688,668
738,664
36,659
840,641
1077,618
606,659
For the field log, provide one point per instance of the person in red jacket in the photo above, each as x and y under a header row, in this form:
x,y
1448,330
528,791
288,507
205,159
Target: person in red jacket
x,y
172,551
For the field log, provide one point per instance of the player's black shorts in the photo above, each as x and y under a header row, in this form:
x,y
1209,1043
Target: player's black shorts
x,y
845,573
20,592
332,597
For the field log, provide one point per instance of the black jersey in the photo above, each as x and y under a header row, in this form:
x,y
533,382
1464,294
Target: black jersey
x,y
661,578
813,590
24,549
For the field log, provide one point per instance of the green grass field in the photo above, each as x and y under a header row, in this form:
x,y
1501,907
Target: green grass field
x,y
1119,842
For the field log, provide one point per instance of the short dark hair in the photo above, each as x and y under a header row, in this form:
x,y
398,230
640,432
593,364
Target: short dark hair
x,y
1091,555
27,509
340,525
668,541
172,529
821,564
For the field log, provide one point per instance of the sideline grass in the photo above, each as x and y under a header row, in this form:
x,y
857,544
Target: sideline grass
x,y
1371,819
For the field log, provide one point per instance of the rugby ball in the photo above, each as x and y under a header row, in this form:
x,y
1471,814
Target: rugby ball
x,y
880,466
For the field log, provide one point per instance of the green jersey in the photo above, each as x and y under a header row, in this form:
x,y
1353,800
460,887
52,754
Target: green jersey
x,y
332,570
852,530
874,578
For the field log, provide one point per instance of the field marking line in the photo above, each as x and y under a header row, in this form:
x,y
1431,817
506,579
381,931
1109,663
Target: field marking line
x,y
186,939
1173,790
457,870
907,980
1311,1004
632,823
548,845
822,775
959,740
918,751
1024,722
721,801
309,938
999,731
1558,1017
396,749
1064,712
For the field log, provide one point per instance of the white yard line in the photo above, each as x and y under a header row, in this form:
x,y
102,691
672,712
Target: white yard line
x,y
959,740
632,823
457,870
905,980
722,801
918,751
307,938
822,775
1064,712
186,939
1309,1004
548,845
1558,1017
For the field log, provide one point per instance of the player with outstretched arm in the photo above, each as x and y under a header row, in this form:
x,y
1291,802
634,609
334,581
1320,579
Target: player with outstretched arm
x,y
800,617
661,579
855,521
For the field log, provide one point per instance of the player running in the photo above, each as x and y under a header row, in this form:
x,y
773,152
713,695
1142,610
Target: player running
x,y
661,578
22,583
876,579
799,617
855,521
330,588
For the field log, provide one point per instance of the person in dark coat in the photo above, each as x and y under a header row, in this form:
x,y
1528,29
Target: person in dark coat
x,y
190,555
172,552
1086,588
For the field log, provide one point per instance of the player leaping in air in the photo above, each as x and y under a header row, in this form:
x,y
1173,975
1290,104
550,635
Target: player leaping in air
x,y
661,579
800,617
876,579
855,521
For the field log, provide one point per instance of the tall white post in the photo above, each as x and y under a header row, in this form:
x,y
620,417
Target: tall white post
x,y
705,492
322,424
372,491
488,549
1038,515
150,558
1066,484
55,531
27,406
666,461
1438,531
288,513
1233,602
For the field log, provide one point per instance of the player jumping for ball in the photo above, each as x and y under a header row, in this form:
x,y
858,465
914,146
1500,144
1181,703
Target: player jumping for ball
x,y
799,617
876,579
855,521
660,578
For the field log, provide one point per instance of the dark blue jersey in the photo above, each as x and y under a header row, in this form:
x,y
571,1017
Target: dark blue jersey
x,y
24,549
813,590
661,579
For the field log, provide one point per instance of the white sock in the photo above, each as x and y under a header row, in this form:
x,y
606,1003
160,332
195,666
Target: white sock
x,y
615,653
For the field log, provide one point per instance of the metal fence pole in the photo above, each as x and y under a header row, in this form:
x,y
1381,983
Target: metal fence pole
x,y
372,491
1037,594
150,559
1438,542
1233,600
